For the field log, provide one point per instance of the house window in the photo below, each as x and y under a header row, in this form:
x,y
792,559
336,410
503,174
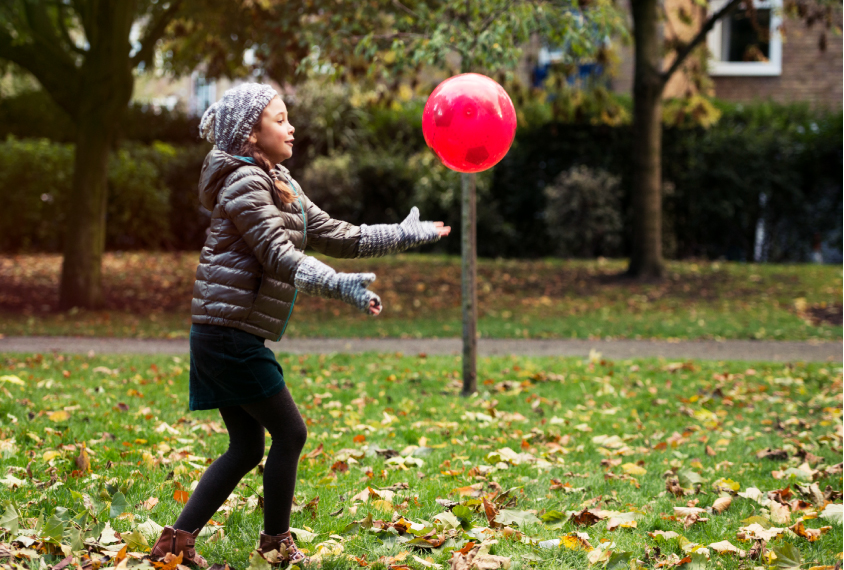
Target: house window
x,y
204,93
746,43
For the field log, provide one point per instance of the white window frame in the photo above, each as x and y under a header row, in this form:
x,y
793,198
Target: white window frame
x,y
772,67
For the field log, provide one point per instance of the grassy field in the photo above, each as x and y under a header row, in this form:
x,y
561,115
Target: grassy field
x,y
555,463
148,296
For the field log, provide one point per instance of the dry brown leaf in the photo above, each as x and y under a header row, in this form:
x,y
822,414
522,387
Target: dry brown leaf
x,y
810,534
722,504
756,530
491,512
725,547
82,460
673,487
615,523
686,511
780,514
150,503
585,518
473,560
666,534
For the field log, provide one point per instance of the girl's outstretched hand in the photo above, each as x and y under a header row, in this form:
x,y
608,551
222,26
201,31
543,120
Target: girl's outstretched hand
x,y
374,307
442,229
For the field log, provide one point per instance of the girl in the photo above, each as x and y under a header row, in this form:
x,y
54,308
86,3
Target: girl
x,y
250,270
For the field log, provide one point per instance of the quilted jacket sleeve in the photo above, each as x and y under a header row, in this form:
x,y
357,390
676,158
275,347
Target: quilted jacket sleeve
x,y
249,204
334,238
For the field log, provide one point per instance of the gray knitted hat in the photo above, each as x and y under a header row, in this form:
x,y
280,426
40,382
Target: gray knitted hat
x,y
228,122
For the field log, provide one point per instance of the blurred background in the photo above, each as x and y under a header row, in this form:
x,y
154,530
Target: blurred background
x,y
750,191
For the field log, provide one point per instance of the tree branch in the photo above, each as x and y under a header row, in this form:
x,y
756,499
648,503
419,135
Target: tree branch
x,y
65,32
398,4
390,36
86,15
701,35
59,78
154,33
44,32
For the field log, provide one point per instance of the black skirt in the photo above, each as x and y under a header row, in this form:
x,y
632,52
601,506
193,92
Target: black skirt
x,y
229,367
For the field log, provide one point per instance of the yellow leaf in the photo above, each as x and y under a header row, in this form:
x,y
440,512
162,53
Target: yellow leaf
x,y
11,380
574,542
633,469
382,505
52,454
60,416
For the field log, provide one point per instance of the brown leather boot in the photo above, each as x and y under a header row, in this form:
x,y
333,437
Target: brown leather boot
x,y
269,542
176,541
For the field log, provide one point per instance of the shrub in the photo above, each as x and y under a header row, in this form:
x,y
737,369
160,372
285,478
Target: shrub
x,y
583,213
36,177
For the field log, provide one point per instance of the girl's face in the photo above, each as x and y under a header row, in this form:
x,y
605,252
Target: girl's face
x,y
274,133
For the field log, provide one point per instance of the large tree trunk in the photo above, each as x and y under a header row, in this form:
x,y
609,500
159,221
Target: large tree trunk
x,y
84,241
104,90
646,259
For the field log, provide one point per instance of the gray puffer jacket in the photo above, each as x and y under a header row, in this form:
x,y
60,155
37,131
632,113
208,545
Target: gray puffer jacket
x,y
247,265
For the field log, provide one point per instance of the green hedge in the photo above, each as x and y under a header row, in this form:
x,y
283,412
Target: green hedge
x,y
368,164
33,114
151,201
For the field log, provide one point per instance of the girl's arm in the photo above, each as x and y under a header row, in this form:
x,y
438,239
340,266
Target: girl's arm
x,y
249,204
334,238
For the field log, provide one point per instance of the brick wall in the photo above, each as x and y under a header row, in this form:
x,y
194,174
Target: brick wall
x,y
808,74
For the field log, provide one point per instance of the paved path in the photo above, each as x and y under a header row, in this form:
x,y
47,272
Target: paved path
x,y
782,351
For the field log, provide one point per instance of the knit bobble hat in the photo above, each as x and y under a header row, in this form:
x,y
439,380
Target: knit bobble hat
x,y
228,122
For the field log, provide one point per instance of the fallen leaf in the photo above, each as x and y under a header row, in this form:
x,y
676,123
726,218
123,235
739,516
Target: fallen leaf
x,y
832,513
810,534
584,518
780,514
725,547
756,530
633,469
722,504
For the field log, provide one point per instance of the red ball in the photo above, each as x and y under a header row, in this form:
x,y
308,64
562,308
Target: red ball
x,y
469,122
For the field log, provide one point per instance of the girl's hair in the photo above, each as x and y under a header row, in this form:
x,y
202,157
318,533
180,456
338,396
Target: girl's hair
x,y
282,190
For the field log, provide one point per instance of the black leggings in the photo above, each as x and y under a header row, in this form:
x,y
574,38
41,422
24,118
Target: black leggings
x,y
245,424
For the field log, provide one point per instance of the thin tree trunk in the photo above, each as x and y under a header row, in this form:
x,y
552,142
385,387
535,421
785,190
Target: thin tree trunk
x,y
470,293
646,259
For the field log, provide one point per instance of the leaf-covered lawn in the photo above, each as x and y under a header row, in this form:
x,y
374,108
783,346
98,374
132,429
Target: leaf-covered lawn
x,y
557,463
148,295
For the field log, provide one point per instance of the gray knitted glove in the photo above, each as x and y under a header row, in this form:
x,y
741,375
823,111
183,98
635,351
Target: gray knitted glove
x,y
381,239
316,278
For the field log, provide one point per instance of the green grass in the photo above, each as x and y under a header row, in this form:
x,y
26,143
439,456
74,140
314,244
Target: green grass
x,y
149,294
665,416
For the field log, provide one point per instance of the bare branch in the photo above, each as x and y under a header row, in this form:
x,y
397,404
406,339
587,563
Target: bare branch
x,y
492,18
154,33
701,35
401,6
390,36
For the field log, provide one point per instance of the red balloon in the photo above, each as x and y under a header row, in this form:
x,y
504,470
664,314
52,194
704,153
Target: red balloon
x,y
469,122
